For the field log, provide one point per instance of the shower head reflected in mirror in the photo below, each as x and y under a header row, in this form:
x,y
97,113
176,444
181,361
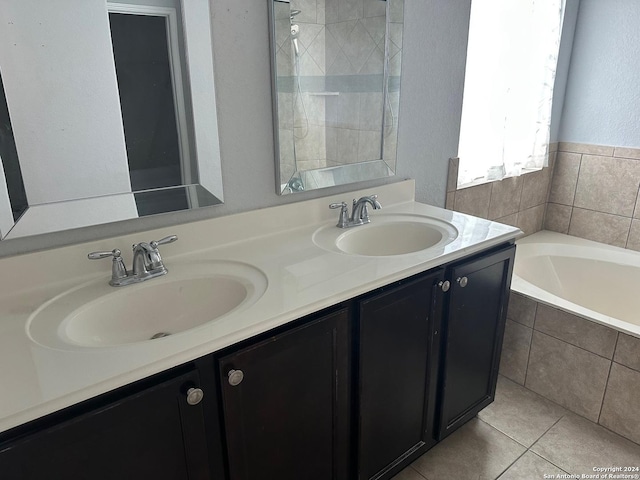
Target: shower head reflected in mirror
x,y
295,29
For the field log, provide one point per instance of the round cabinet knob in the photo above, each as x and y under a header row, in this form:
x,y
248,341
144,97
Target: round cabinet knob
x,y
235,377
445,286
462,281
194,396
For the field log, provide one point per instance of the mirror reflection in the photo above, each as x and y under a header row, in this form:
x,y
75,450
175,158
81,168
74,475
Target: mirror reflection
x,y
107,112
336,66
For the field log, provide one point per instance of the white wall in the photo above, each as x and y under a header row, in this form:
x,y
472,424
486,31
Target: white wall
x,y
435,40
602,101
47,50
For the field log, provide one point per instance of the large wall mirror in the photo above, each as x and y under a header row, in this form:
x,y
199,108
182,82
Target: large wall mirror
x,y
336,88
107,112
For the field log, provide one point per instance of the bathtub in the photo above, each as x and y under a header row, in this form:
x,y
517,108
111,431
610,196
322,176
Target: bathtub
x,y
592,280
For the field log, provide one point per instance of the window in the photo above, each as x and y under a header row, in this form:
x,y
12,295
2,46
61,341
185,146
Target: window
x,y
511,66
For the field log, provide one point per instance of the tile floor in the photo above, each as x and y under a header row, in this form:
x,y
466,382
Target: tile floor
x,y
522,435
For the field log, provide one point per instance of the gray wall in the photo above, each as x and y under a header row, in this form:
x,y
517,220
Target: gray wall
x,y
429,118
602,103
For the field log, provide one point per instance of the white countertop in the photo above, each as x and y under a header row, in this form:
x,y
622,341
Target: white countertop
x,y
302,278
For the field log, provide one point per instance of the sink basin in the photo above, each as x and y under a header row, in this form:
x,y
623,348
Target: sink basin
x,y
387,235
191,295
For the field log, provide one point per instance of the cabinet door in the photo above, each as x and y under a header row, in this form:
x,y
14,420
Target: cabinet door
x,y
474,329
287,416
152,434
398,333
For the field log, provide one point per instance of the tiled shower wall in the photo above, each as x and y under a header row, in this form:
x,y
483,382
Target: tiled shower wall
x,y
518,201
337,116
594,194
355,49
588,368
308,109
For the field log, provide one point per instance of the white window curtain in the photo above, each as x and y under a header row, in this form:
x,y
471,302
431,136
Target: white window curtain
x,y
511,67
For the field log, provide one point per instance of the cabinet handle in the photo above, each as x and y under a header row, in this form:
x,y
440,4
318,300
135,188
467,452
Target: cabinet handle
x,y
462,281
445,286
235,377
194,396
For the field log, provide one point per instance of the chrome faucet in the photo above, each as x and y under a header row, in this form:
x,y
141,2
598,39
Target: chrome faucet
x,y
359,211
147,262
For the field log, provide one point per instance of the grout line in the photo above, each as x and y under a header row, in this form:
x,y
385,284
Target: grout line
x,y
512,463
570,219
636,204
573,198
576,346
633,214
622,437
533,329
417,472
490,199
520,195
606,385
548,461
547,430
599,211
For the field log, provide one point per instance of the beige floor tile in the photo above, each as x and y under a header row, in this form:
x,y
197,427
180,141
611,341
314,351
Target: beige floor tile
x,y
476,451
408,474
520,413
530,467
577,445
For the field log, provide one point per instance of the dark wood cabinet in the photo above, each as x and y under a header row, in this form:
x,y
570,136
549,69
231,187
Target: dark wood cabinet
x,y
287,416
154,433
397,360
356,391
473,330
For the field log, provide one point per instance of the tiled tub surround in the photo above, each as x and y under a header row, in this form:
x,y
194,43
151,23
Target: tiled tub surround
x,y
518,201
587,367
594,194
302,278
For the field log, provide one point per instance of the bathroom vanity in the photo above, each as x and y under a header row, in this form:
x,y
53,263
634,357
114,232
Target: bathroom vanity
x,y
348,366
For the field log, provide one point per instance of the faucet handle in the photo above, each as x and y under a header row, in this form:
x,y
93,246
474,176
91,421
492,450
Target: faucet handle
x,y
344,213
115,253
118,269
163,241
